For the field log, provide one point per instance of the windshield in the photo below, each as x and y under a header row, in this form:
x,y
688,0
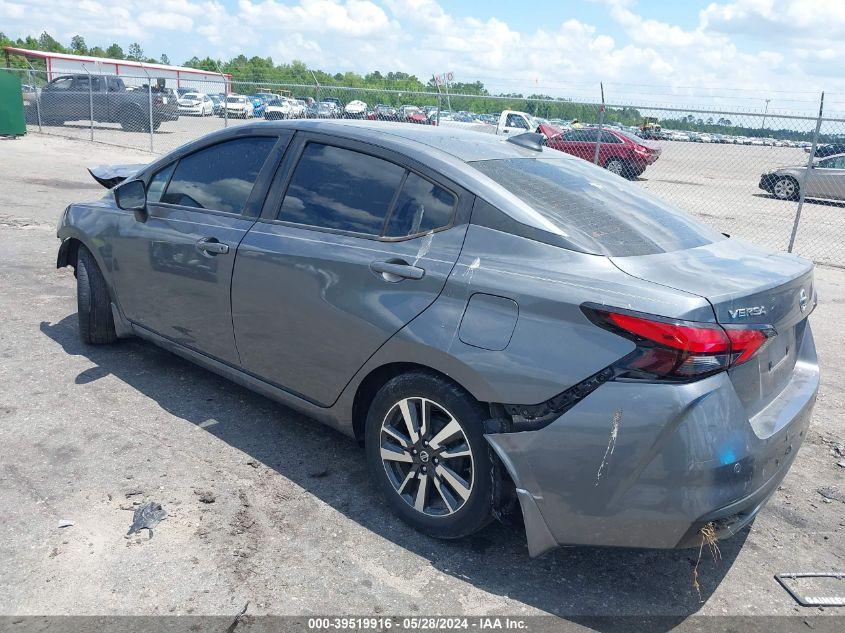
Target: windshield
x,y
236,100
597,211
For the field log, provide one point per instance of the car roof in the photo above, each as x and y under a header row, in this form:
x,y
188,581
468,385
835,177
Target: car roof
x,y
467,145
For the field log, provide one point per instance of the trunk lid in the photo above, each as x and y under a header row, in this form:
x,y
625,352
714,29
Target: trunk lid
x,y
746,285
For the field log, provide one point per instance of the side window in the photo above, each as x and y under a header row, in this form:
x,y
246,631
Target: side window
x,y
573,135
514,120
590,136
62,83
158,182
837,162
219,177
422,206
609,137
340,189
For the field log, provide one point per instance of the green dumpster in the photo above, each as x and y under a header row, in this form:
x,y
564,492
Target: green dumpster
x,y
12,121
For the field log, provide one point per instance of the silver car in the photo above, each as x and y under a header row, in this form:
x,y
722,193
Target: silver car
x,y
506,329
825,179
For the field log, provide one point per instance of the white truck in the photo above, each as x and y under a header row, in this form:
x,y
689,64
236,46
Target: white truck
x,y
516,122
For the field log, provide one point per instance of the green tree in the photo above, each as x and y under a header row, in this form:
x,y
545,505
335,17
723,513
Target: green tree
x,y
46,42
135,52
78,46
165,59
114,51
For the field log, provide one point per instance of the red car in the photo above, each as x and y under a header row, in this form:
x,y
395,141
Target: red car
x,y
620,152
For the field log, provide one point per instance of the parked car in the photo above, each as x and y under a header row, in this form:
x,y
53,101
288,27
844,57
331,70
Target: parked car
x,y
298,108
77,97
195,103
29,93
825,179
323,110
620,152
383,112
238,106
216,103
355,109
278,109
829,149
411,114
258,105
496,321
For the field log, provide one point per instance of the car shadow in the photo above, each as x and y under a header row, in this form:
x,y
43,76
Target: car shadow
x,y
814,201
595,587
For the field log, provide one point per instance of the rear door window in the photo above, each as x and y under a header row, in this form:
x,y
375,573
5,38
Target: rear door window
x,y
219,177
341,189
422,206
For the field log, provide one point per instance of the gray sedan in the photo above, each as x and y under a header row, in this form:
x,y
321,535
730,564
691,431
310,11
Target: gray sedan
x,y
825,179
506,329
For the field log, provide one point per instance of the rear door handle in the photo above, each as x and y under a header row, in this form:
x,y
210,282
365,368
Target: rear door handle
x,y
212,246
396,270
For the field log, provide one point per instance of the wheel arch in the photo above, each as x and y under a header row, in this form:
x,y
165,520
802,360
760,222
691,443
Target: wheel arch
x,y
376,379
68,252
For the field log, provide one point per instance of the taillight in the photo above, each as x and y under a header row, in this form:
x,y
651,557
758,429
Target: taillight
x,y
669,349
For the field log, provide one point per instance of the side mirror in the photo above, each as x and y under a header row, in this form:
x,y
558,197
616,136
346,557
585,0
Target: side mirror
x,y
132,196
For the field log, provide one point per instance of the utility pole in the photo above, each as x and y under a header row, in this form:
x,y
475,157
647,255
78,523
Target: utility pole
x,y
765,112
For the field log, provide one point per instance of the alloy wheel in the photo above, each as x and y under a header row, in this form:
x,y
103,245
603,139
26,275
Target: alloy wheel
x,y
427,457
615,167
784,188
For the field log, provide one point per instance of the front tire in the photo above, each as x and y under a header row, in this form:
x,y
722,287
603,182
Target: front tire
x,y
427,454
96,322
786,188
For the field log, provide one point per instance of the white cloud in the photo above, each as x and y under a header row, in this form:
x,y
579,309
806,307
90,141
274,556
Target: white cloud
x,y
760,45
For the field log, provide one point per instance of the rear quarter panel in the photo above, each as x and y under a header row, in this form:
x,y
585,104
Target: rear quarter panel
x,y
553,345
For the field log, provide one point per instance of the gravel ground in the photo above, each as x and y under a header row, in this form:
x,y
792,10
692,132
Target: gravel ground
x,y
267,506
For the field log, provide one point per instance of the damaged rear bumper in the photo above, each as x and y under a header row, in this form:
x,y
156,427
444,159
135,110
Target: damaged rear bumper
x,y
648,465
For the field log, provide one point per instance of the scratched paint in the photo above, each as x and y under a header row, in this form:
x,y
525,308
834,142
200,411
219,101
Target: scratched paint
x,y
611,443
425,247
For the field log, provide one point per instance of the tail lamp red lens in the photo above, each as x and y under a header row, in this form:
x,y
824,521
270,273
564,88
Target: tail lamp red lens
x,y
680,350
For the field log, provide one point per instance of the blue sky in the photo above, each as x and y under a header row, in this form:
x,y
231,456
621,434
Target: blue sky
x,y
731,53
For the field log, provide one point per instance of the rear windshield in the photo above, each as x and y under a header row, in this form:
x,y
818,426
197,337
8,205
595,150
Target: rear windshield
x,y
596,210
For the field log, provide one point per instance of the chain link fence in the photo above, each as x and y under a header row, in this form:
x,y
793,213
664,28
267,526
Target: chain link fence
x,y
775,178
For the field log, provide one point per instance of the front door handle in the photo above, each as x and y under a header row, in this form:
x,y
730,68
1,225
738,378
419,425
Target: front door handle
x,y
212,246
396,270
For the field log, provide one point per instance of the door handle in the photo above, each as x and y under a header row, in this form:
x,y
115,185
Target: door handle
x,y
396,270
212,246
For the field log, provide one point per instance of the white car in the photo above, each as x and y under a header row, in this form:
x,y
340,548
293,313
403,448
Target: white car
x,y
355,109
278,109
238,107
195,103
298,108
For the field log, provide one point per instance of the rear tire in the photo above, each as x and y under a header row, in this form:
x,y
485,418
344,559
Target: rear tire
x,y
451,467
96,322
132,121
616,166
786,188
